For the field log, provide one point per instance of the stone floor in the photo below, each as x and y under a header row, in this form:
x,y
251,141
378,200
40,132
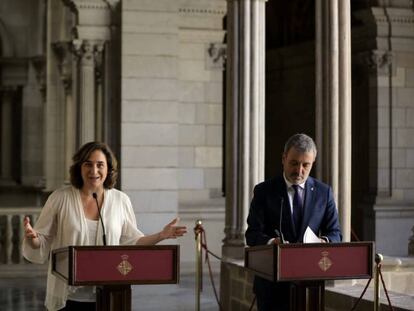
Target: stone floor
x,y
28,295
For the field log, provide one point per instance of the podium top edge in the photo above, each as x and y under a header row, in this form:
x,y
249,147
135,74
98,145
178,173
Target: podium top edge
x,y
312,245
116,247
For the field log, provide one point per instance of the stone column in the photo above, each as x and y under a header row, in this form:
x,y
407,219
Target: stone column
x,y
345,119
333,103
244,116
63,51
6,132
99,49
86,92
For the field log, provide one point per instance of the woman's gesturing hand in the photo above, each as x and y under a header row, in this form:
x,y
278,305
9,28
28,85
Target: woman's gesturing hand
x,y
29,232
172,231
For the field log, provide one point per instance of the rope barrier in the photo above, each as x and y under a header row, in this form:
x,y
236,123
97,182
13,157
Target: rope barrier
x,y
253,302
201,236
362,295
378,274
385,289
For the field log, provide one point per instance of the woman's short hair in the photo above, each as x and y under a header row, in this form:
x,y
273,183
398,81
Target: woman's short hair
x,y
83,155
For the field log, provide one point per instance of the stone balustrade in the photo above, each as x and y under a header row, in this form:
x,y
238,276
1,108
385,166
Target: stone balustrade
x,y
12,263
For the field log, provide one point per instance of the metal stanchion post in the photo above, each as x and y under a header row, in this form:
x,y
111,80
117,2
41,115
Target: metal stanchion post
x,y
378,260
199,271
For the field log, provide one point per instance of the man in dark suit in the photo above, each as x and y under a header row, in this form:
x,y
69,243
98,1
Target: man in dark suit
x,y
302,201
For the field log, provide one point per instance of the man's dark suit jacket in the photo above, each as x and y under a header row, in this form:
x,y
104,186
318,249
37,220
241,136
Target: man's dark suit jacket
x,y
319,213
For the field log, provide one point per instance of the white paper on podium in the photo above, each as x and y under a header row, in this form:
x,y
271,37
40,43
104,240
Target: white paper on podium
x,y
310,236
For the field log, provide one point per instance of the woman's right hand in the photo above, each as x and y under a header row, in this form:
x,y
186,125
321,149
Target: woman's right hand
x,y
30,234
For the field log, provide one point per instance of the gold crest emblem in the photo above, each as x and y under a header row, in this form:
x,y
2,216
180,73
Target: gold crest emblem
x,y
124,266
325,263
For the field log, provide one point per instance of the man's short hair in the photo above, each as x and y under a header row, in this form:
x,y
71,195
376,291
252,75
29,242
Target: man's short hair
x,y
302,143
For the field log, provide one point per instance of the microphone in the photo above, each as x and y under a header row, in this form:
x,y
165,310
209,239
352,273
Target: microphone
x,y
279,232
95,196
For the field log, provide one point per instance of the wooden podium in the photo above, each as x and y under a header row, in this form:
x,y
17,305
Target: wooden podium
x,y
113,269
307,266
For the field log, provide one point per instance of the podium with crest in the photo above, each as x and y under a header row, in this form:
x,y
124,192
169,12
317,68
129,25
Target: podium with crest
x,y
113,269
308,266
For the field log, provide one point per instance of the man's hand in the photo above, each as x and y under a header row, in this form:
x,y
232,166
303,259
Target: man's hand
x,y
277,241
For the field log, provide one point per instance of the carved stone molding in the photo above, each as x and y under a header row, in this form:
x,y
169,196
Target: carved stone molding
x,y
204,11
93,18
400,21
76,5
63,52
215,56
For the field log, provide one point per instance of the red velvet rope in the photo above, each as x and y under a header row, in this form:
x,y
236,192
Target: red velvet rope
x,y
383,285
200,230
385,289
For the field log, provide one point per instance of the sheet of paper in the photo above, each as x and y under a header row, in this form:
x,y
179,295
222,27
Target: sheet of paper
x,y
310,236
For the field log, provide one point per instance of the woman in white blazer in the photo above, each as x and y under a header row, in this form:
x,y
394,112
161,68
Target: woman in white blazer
x,y
71,217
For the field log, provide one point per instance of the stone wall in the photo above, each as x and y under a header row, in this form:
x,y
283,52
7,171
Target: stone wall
x,y
172,103
236,292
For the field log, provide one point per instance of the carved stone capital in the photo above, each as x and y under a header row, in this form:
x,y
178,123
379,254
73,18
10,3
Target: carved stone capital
x,y
84,50
64,56
377,61
98,54
39,65
216,56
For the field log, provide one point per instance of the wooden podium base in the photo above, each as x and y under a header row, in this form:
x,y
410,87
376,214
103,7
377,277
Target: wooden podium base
x,y
113,298
307,296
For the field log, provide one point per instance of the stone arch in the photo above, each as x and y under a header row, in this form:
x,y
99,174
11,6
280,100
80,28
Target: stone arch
x,y
6,43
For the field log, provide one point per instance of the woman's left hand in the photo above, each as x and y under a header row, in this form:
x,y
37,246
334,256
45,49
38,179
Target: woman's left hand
x,y
172,231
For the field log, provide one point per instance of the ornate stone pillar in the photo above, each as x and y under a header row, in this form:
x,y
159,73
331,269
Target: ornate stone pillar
x,y
88,45
244,116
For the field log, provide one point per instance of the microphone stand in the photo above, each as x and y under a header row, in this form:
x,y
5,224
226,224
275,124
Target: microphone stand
x,y
95,196
279,232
